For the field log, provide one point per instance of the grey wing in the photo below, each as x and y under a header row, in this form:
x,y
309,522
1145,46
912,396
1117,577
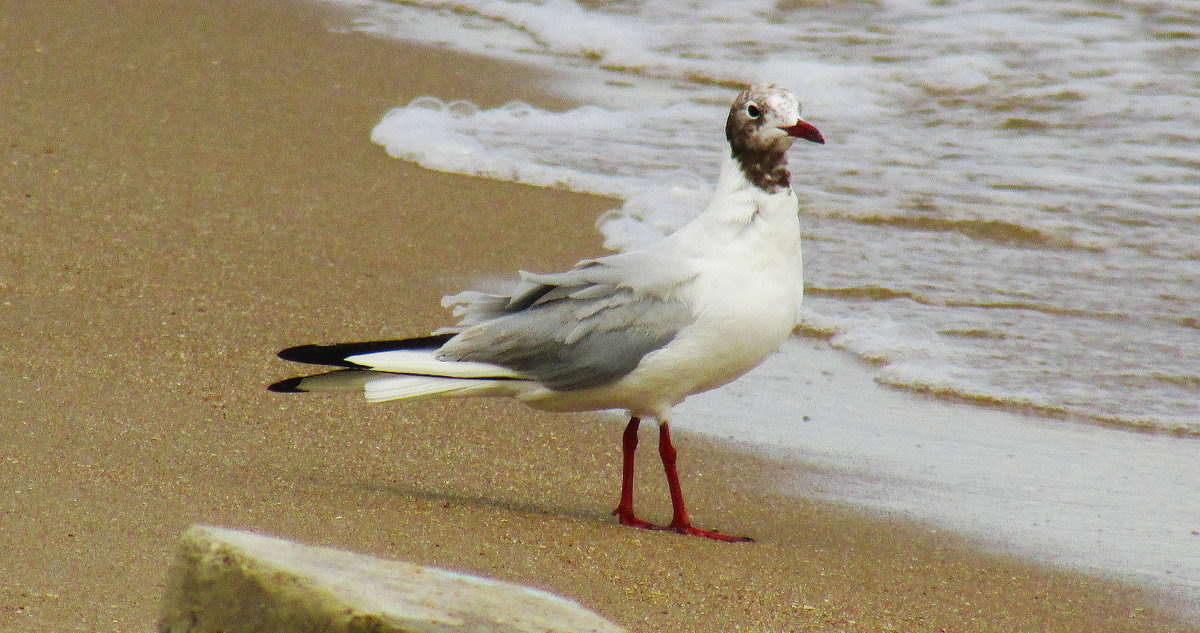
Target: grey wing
x,y
566,331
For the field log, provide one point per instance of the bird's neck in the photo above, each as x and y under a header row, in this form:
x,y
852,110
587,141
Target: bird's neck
x,y
765,168
744,180
738,201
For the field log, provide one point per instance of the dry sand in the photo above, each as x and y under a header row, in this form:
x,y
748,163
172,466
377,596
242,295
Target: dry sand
x,y
187,188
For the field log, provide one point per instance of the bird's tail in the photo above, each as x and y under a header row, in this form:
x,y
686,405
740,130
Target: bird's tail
x,y
396,369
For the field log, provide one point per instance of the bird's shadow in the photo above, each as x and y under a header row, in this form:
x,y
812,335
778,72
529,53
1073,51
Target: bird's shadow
x,y
449,499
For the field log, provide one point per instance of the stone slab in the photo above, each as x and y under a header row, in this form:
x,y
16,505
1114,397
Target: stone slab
x,y
232,581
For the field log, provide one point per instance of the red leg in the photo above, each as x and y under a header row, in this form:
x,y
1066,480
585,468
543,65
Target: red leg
x,y
680,522
629,442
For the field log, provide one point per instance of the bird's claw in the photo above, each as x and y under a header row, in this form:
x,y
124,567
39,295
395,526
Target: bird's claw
x,y
686,529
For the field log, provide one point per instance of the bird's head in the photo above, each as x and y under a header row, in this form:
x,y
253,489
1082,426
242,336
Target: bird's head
x,y
766,118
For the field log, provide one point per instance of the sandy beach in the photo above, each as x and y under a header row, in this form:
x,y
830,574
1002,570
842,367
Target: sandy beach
x,y
190,187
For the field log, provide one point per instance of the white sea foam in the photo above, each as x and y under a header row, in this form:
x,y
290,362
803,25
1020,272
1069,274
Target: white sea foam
x,y
588,149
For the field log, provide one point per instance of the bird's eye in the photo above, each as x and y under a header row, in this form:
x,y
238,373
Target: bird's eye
x,y
753,112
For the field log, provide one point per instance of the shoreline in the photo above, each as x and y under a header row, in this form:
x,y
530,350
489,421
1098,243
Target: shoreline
x,y
1077,496
192,188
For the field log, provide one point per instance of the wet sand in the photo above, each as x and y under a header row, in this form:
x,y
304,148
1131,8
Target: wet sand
x,y
189,187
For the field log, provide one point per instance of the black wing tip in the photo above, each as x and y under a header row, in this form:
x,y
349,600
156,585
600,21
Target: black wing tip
x,y
318,355
336,354
290,385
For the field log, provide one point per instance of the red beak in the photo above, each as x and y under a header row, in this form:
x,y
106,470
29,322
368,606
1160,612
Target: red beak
x,y
802,129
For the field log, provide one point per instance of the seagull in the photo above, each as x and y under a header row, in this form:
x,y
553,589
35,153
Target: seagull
x,y
637,331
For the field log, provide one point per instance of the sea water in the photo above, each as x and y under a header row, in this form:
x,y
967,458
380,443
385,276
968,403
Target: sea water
x,y
1006,213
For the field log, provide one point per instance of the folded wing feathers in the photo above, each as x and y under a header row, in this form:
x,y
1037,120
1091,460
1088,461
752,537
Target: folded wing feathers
x,y
474,307
577,342
571,343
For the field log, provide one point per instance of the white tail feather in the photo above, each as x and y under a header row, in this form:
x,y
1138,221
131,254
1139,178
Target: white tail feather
x,y
417,361
402,387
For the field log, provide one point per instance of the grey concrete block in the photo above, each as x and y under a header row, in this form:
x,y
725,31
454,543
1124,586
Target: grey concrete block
x,y
231,581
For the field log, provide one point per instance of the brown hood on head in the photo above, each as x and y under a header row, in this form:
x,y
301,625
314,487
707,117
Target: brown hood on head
x,y
763,122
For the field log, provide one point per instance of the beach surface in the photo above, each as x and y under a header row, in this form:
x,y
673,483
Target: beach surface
x,y
190,187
